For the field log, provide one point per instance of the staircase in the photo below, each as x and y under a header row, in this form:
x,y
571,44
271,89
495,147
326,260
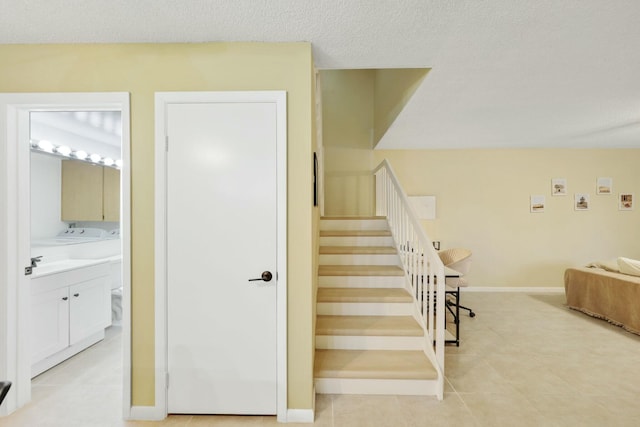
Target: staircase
x,y
368,340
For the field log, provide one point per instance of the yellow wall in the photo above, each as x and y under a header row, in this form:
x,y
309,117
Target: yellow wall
x,y
483,204
142,70
358,106
347,116
317,145
392,90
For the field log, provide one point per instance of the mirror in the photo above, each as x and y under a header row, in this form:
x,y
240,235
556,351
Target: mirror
x,y
75,180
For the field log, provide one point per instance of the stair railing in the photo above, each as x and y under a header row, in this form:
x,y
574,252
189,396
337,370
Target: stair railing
x,y
422,265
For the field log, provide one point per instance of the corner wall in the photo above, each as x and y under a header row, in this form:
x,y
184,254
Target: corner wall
x,y
142,70
483,204
347,128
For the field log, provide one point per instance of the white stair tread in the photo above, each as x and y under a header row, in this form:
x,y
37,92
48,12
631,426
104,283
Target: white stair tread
x,y
358,250
364,295
358,218
373,364
360,270
405,326
355,233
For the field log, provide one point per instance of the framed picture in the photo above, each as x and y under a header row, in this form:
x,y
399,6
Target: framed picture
x,y
582,202
625,202
604,186
536,204
559,186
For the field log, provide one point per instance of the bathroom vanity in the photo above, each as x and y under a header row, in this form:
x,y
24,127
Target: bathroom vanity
x,y
70,309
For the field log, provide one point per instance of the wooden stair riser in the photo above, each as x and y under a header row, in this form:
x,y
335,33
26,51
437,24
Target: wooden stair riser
x,y
353,224
376,386
356,241
361,342
364,309
359,259
361,282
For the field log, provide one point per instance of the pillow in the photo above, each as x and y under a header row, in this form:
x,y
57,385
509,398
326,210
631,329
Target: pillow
x,y
629,266
609,265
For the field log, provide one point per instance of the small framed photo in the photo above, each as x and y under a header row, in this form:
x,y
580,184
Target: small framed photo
x,y
604,186
625,202
536,204
582,202
559,187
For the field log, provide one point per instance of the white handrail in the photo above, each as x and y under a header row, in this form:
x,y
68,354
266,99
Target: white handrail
x,y
422,265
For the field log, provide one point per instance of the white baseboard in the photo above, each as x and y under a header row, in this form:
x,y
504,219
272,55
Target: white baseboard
x,y
545,290
300,415
146,413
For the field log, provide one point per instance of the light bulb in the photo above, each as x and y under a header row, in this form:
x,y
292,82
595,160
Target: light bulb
x,y
80,154
119,163
64,150
107,161
95,158
45,145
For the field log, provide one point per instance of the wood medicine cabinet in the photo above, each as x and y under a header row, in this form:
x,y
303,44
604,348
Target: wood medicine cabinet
x,y
89,192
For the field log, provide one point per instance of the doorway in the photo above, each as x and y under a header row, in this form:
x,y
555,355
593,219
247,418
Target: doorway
x,y
221,261
16,113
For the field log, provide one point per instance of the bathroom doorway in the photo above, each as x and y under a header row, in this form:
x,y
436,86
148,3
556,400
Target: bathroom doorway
x,y
43,125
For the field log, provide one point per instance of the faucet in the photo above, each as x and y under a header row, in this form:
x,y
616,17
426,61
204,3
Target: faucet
x,y
35,261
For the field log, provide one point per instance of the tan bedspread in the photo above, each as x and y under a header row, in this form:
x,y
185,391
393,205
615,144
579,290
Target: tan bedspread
x,y
607,295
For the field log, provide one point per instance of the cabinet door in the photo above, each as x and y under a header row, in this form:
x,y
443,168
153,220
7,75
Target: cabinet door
x,y
82,185
90,309
111,194
50,323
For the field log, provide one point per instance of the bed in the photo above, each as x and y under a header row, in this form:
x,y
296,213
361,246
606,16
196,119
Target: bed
x,y
605,293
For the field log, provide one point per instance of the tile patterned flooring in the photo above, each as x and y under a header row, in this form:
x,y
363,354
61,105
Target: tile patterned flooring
x,y
524,360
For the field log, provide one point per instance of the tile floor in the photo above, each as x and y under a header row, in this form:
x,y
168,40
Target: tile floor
x,y
524,360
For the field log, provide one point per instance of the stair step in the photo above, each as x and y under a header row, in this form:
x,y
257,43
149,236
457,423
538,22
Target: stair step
x,y
356,218
364,302
354,223
359,259
361,282
358,250
355,233
364,295
360,270
368,326
374,364
356,241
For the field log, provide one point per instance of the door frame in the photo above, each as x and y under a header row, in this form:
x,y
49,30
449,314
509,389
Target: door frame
x,y
162,100
15,360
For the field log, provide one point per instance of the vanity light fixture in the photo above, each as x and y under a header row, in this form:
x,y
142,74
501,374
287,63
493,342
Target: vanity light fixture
x,y
47,147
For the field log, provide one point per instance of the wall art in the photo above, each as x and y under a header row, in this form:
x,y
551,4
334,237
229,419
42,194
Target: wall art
x,y
536,203
582,202
625,202
604,186
559,186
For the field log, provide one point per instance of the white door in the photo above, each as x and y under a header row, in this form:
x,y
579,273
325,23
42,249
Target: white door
x,y
221,233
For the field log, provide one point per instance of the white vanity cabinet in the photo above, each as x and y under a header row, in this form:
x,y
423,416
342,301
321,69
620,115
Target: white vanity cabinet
x,y
49,323
69,312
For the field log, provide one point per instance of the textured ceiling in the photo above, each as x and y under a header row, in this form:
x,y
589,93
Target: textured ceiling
x,y
505,73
